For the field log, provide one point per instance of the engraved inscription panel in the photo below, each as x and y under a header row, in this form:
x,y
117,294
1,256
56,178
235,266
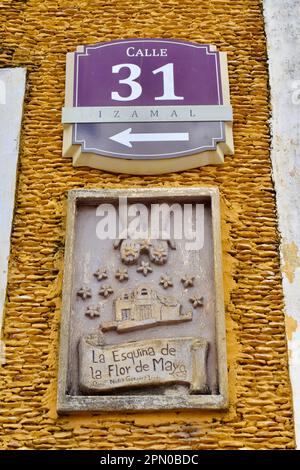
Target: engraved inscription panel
x,y
142,300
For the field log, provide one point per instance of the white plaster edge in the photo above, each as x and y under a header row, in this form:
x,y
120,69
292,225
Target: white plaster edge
x,y
283,43
12,92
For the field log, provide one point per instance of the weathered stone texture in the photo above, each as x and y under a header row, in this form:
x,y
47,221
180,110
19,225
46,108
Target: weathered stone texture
x,y
38,34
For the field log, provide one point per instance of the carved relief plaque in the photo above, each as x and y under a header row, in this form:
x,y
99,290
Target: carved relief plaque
x,y
143,317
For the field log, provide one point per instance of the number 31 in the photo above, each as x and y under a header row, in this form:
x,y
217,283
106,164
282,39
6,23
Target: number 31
x,y
136,89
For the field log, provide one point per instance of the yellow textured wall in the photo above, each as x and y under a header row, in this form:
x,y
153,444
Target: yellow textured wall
x,y
37,34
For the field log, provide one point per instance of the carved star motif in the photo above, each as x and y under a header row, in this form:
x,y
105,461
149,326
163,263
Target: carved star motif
x,y
93,311
122,274
84,293
106,290
160,255
188,281
196,301
101,274
166,281
144,268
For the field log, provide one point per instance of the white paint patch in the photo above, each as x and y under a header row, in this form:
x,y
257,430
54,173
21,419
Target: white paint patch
x,y
283,39
12,90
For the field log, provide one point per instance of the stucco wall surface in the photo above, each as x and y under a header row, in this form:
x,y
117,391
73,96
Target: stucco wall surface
x,y
282,27
12,81
37,35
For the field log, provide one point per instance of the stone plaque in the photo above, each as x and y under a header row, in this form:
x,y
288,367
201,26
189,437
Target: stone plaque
x,y
143,316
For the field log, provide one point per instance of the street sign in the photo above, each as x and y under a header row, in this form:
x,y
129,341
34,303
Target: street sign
x,y
147,106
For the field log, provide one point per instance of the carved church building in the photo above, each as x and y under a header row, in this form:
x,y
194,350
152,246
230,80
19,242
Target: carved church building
x,y
143,303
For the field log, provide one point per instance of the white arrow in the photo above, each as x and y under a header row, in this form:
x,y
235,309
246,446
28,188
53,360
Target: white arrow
x,y
125,137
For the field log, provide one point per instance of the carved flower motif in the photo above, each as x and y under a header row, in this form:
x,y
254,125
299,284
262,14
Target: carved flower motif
x,y
93,311
84,293
166,281
188,281
122,274
196,301
106,290
160,254
101,274
130,253
145,268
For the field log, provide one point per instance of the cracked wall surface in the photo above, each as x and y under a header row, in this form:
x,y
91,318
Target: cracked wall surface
x,y
37,35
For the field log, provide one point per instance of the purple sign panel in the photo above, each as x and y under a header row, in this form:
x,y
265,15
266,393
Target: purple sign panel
x,y
147,73
147,99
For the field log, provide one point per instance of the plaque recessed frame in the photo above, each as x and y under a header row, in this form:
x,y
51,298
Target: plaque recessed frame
x,y
134,402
